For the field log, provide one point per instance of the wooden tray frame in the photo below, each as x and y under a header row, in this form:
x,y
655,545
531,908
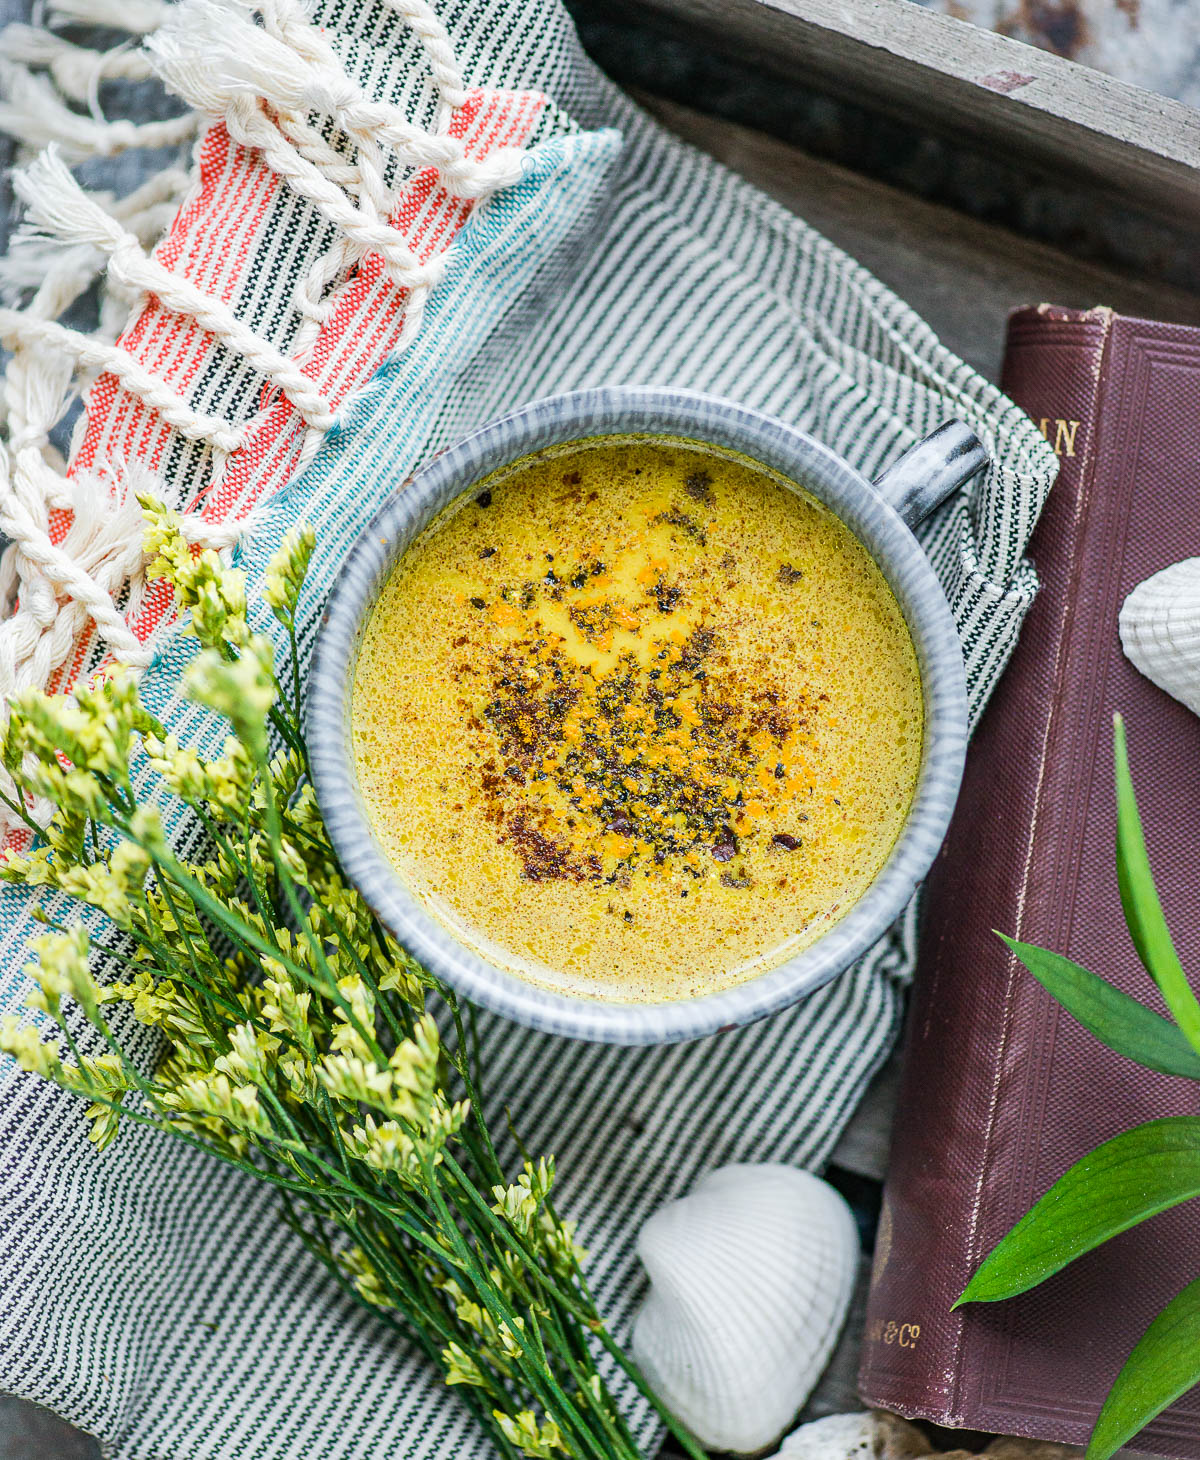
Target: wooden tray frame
x,y
953,78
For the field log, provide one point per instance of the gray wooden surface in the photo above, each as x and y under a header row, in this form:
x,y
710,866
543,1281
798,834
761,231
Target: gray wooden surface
x,y
902,59
963,277
642,47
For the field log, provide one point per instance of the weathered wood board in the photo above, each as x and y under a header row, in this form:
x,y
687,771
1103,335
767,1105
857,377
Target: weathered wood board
x,y
960,80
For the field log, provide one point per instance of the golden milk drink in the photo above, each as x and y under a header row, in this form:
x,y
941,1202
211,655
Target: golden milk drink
x,y
637,719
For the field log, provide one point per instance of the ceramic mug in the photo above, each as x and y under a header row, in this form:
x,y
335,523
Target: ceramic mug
x,y
881,515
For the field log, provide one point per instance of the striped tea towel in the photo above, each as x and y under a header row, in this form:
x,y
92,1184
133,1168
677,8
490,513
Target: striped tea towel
x,y
400,221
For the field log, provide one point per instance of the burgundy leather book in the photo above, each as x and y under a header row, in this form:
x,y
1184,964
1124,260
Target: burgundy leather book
x,y
1002,1090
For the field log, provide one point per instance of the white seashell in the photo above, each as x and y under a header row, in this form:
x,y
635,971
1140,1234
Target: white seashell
x,y
751,1275
868,1435
1160,630
835,1437
875,1434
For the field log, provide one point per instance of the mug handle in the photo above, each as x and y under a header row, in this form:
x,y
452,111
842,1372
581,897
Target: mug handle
x,y
928,472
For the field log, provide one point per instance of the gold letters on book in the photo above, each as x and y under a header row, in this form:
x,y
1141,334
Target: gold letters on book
x,y
1063,439
887,1330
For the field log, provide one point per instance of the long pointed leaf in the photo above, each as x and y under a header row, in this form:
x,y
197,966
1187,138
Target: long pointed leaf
x,y
1143,911
1115,1018
1122,1182
1164,1364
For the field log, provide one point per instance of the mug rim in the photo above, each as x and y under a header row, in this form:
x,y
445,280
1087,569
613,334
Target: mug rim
x,y
617,410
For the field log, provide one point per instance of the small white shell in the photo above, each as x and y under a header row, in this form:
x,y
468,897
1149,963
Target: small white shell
x,y
874,1434
751,1275
867,1435
835,1437
1160,630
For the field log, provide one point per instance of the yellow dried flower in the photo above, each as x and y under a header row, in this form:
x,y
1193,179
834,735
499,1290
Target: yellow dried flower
x,y
285,1021
27,1047
541,1441
101,887
236,1105
161,1004
286,1008
361,1002
62,971
231,778
243,690
286,570
29,869
367,1282
520,1202
250,1052
218,604
461,1368
99,1075
180,767
106,1120
400,976
386,1146
349,1078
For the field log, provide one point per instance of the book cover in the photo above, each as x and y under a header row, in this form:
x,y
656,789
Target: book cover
x,y
1002,1090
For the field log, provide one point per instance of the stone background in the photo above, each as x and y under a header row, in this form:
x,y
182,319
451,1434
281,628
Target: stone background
x,y
1152,43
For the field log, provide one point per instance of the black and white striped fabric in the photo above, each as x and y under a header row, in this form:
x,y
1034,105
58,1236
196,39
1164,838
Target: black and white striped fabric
x,y
153,1297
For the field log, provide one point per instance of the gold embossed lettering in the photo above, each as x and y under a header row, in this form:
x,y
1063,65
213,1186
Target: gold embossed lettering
x,y
1063,440
887,1330
1064,437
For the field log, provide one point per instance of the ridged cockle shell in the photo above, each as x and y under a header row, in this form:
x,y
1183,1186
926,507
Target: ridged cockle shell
x,y
751,1274
1160,630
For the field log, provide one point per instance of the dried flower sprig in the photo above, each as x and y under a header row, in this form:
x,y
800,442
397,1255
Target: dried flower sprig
x,y
297,1043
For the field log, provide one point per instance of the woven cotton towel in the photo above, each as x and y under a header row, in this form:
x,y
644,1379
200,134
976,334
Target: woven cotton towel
x,y
148,1294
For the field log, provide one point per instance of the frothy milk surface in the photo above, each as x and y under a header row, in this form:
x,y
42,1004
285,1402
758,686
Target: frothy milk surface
x,y
637,719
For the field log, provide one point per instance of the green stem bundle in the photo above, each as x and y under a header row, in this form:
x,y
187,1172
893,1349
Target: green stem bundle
x,y
305,1057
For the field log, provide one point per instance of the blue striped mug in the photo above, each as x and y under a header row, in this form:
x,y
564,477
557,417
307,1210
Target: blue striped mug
x,y
880,514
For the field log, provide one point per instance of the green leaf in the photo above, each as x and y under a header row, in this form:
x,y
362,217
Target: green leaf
x,y
1164,1364
1122,1182
1115,1018
1143,911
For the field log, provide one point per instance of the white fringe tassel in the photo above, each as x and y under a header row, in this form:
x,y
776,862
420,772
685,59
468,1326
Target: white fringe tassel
x,y
226,64
138,17
36,115
75,70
